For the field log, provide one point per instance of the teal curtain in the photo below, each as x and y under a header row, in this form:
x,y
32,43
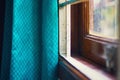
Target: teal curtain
x,y
66,3
33,41
50,39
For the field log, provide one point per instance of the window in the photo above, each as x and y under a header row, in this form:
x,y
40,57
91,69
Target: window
x,y
101,32
90,31
104,19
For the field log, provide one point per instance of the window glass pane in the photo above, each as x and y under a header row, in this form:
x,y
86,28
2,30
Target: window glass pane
x,y
104,19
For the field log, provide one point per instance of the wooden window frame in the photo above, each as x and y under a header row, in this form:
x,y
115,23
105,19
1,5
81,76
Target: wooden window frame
x,y
87,36
99,40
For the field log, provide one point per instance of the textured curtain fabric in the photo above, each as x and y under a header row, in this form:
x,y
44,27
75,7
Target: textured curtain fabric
x,y
33,40
66,3
50,39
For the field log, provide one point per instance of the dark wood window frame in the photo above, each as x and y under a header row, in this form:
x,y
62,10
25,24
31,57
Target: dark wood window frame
x,y
76,53
79,45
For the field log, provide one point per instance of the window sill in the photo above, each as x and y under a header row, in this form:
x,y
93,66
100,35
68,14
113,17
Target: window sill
x,y
101,39
91,72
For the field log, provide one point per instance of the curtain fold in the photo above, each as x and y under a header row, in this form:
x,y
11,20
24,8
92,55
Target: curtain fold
x,y
34,40
7,41
26,41
50,39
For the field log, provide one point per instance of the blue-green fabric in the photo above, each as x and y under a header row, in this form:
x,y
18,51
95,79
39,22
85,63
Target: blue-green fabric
x,y
7,41
66,3
26,41
50,39
34,47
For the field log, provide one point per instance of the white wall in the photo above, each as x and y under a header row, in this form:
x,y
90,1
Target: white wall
x,y
62,29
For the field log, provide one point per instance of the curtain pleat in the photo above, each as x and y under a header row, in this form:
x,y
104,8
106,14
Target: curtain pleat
x,y
34,40
50,39
26,41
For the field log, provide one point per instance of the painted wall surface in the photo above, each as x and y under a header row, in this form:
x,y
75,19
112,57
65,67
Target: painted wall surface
x,y
63,29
